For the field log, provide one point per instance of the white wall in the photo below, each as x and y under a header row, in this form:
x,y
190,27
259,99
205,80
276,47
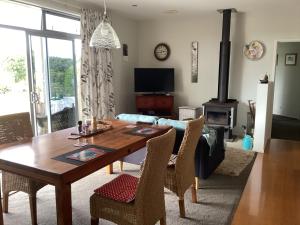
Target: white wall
x,y
263,116
178,34
287,80
244,74
123,70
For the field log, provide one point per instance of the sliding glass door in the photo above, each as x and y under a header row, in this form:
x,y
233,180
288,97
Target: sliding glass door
x,y
38,53
53,91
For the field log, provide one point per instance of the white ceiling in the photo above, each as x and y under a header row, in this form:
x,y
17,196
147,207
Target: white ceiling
x,y
151,9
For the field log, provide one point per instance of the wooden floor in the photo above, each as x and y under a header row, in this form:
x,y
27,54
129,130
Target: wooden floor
x,y
272,193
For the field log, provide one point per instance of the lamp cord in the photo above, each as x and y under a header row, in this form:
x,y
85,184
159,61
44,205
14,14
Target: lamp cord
x,y
104,7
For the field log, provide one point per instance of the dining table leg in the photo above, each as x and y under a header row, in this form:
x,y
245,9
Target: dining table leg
x,y
63,204
110,169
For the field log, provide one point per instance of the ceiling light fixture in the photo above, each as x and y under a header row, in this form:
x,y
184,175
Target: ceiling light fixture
x,y
171,11
104,35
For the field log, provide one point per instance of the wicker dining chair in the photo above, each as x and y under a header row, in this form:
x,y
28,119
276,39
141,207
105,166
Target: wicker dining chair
x,y
1,211
15,128
128,200
181,172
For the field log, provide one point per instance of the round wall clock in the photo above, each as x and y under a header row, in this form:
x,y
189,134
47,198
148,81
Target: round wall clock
x,y
162,51
254,50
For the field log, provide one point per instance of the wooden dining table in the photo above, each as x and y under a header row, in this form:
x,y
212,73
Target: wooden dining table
x,y
34,158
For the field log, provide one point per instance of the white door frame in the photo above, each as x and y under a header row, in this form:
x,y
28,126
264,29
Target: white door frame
x,y
272,77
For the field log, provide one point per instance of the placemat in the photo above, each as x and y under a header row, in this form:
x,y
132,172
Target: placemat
x,y
142,131
63,157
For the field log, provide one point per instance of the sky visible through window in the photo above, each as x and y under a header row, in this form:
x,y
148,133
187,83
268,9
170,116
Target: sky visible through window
x,y
62,24
20,15
13,52
14,96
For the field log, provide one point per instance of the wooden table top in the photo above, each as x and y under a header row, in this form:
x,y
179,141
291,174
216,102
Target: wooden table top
x,y
272,193
36,155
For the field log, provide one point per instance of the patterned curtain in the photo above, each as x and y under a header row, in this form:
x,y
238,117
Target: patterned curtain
x,y
97,94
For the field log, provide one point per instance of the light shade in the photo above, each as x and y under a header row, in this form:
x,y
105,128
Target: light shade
x,y
105,36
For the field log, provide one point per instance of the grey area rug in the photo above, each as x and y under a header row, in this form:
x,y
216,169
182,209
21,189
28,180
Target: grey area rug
x,y
218,197
236,160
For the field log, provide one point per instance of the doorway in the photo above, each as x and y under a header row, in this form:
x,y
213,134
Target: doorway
x,y
53,91
286,108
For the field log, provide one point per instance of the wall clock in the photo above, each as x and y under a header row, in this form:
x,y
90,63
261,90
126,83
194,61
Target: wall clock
x,y
162,51
254,50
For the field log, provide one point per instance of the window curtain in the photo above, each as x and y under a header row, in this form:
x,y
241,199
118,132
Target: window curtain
x,y
97,94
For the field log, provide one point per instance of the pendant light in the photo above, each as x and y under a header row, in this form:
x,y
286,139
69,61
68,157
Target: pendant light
x,y
104,35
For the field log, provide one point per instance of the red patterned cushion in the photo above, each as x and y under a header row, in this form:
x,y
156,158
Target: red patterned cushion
x,y
120,189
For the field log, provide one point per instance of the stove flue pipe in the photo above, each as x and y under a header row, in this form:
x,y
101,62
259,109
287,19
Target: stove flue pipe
x,y
224,59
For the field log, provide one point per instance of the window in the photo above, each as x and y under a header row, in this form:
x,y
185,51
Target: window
x,y
20,15
62,24
14,89
30,17
39,65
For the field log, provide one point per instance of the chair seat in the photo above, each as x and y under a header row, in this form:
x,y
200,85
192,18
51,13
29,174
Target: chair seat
x,y
14,182
121,189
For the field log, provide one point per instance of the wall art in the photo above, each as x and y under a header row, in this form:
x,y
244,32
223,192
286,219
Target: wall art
x,y
194,77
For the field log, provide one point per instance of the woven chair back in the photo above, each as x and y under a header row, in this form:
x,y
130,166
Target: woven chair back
x,y
15,128
150,190
185,162
63,119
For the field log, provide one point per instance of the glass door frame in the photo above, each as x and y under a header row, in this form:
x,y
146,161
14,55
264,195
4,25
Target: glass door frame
x,y
46,35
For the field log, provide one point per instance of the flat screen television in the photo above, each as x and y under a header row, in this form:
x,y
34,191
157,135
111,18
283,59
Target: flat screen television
x,y
154,80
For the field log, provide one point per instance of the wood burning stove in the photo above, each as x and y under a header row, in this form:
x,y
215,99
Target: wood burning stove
x,y
222,111
221,114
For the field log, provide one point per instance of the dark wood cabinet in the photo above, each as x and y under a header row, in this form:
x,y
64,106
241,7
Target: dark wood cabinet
x,y
157,105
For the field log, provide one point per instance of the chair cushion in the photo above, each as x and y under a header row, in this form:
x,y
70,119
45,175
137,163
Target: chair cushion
x,y
177,124
137,118
121,189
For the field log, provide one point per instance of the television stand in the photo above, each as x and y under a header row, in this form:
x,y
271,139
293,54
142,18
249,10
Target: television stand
x,y
155,94
155,105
